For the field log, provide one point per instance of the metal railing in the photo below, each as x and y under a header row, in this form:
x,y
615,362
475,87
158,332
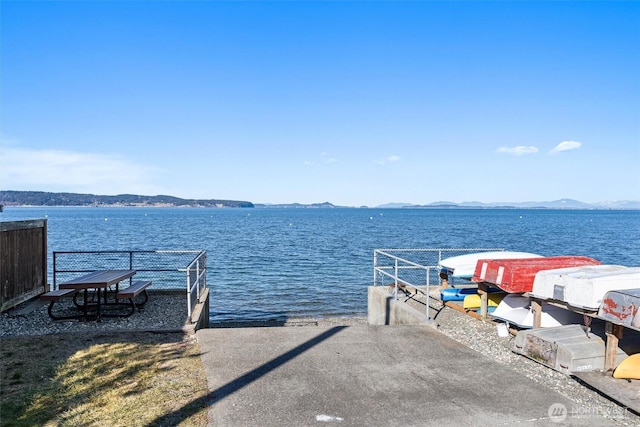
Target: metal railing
x,y
417,268
196,280
167,269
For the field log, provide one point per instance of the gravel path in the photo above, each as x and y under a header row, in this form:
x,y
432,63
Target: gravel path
x,y
168,312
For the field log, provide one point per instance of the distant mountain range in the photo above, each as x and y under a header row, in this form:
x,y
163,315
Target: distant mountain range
x,y
556,204
41,198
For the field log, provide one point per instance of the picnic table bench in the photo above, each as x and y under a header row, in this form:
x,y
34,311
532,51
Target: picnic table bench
x,y
130,293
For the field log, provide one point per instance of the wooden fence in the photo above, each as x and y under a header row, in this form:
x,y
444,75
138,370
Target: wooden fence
x,y
23,261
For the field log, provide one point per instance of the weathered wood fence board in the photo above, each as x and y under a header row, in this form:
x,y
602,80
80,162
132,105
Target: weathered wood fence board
x,y
23,261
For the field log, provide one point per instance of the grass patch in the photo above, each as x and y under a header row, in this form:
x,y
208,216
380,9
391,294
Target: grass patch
x,y
116,379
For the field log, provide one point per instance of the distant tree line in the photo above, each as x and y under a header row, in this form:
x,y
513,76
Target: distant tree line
x,y
42,198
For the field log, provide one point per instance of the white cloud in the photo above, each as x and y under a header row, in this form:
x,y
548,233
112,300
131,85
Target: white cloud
x,y
566,146
391,159
57,170
326,159
519,150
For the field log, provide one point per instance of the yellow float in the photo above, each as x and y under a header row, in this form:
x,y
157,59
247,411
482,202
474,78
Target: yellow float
x,y
629,368
473,301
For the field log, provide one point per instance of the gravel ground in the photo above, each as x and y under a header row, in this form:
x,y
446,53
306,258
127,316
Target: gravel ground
x,y
164,312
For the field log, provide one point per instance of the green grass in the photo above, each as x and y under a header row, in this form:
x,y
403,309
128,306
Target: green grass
x,y
111,379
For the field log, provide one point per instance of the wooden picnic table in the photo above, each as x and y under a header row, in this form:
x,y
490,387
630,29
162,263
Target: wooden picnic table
x,y
100,281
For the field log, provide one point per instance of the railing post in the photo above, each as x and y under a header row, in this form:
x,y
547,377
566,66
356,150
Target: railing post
x,y
395,285
204,278
428,294
54,271
188,293
375,266
198,278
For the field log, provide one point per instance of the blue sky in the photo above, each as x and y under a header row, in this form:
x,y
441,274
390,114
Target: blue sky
x,y
355,103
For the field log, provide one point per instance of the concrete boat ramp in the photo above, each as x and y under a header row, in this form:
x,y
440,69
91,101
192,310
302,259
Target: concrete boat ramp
x,y
364,375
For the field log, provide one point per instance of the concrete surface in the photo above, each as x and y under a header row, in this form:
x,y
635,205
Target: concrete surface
x,y
626,393
367,375
383,309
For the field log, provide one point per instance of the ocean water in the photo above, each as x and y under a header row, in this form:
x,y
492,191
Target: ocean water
x,y
279,263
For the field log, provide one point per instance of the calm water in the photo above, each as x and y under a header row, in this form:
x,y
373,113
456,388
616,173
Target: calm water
x,y
274,263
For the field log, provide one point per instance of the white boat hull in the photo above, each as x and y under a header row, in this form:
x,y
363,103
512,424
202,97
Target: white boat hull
x,y
621,307
516,310
584,287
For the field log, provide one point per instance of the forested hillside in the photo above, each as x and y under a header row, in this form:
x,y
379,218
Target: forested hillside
x,y
41,198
